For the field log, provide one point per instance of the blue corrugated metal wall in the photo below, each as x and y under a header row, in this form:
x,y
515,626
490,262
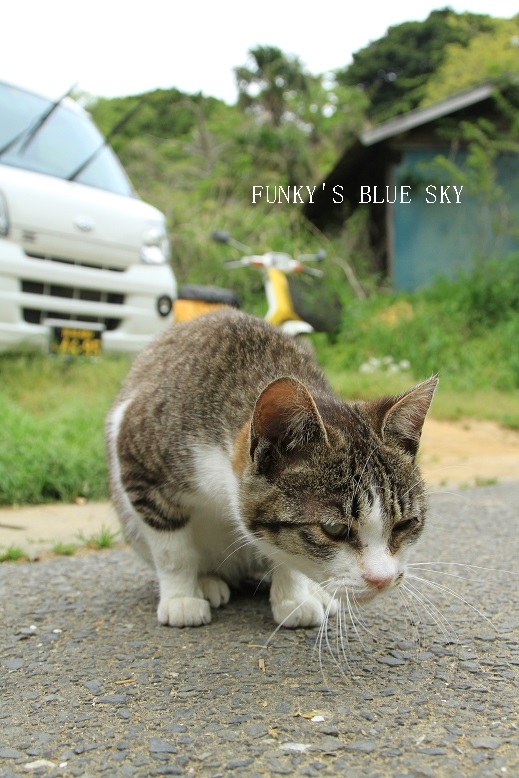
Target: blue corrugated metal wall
x,y
431,239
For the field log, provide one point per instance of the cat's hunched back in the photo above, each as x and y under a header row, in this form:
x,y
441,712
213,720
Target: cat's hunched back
x,y
230,456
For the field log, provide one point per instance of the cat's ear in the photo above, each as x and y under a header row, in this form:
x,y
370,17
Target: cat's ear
x,y
402,417
284,424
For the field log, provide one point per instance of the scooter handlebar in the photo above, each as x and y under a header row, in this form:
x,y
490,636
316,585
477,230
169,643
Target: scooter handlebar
x,y
244,262
313,271
321,254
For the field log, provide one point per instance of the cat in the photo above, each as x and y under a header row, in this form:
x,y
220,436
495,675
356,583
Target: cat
x,y
231,458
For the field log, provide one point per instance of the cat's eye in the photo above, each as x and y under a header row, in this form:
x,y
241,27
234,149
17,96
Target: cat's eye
x,y
337,530
406,525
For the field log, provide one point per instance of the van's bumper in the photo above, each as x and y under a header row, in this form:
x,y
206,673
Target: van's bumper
x,y
126,302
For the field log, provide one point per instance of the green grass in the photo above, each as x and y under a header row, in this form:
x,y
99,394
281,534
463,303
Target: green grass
x,y
467,331
52,416
12,554
104,538
52,412
449,403
64,549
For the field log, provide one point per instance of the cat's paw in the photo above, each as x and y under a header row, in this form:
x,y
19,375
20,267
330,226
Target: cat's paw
x,y
184,612
293,614
215,590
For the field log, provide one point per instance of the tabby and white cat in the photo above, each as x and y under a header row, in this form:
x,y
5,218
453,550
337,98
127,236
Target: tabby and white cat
x,y
230,457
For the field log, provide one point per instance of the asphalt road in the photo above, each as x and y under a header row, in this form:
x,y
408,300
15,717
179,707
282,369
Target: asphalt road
x,y
91,684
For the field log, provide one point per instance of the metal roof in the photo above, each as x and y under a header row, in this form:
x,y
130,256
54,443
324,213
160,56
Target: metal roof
x,y
423,115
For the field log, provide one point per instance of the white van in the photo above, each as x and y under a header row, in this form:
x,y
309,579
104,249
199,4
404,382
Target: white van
x,y
84,263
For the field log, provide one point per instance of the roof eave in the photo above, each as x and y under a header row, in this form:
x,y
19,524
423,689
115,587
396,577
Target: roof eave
x,y
424,115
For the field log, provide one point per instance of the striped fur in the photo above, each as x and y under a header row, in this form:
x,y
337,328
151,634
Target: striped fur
x,y
230,457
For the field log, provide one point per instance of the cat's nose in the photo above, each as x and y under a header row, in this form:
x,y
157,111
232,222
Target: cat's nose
x,y
377,581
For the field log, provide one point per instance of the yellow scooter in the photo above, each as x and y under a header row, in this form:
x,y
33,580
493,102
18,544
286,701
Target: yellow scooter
x,y
285,308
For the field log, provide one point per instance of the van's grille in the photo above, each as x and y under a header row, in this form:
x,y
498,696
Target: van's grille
x,y
65,261
38,315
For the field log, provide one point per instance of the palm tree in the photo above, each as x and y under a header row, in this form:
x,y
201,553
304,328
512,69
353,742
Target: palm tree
x,y
267,80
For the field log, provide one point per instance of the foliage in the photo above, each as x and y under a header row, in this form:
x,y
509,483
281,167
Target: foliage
x,y
266,82
197,158
52,412
104,538
486,298
12,554
472,352
161,114
394,70
64,549
480,151
492,54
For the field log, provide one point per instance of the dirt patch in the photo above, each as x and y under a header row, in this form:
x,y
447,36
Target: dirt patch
x,y
452,454
468,453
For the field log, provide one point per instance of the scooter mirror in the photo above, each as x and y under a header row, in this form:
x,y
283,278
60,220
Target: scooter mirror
x,y
220,236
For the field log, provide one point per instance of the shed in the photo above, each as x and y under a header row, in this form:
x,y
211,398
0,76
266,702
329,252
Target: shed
x,y
422,221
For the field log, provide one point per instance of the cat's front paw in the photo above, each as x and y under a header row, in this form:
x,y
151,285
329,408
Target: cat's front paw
x,y
215,590
184,612
293,614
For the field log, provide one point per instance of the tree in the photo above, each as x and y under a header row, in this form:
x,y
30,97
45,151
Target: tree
x,y
162,114
490,55
265,84
330,113
394,70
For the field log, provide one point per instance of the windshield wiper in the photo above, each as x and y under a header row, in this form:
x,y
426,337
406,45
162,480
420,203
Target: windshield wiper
x,y
115,129
34,127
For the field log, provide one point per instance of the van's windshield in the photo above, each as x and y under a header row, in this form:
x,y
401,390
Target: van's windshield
x,y
60,145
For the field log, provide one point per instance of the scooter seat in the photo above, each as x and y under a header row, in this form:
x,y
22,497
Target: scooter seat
x,y
209,294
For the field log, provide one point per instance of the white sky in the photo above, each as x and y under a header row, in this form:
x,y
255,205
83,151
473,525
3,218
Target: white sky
x,y
113,48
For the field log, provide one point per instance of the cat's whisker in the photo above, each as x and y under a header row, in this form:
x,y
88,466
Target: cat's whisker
x,y
339,634
462,564
241,537
266,575
420,483
290,614
419,623
323,637
447,590
414,616
344,637
414,621
324,633
434,612
352,619
325,625
244,544
433,489
443,572
318,646
358,611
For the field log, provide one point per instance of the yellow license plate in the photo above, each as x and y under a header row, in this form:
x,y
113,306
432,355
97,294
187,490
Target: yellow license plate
x,y
75,339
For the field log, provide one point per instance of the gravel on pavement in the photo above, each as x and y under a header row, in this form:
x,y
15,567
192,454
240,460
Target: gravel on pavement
x,y
90,683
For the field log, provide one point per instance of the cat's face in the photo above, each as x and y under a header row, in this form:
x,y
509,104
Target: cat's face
x,y
336,493
346,525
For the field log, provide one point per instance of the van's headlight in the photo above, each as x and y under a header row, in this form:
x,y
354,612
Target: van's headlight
x,y
155,245
4,216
